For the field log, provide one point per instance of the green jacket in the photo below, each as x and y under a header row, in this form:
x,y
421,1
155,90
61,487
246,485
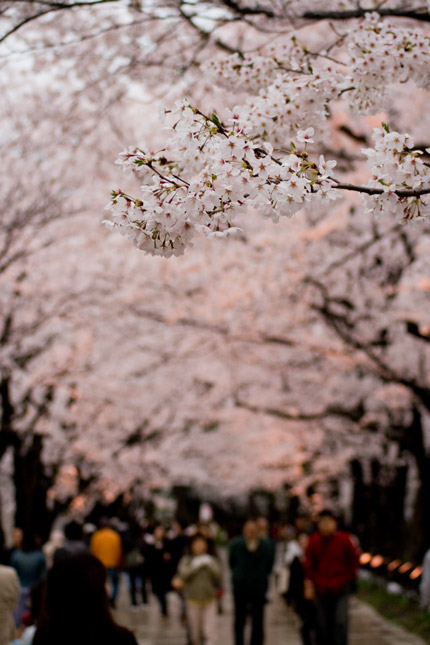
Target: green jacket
x,y
201,576
251,569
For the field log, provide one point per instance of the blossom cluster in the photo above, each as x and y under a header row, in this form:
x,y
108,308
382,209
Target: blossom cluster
x,y
288,104
396,166
209,172
381,53
207,175
255,71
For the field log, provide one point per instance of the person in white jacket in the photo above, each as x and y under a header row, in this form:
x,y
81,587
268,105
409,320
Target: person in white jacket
x,y
9,595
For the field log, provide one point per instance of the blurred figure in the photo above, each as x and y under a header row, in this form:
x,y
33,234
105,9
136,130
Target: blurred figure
x,y
134,563
30,565
159,565
31,617
73,542
106,546
331,565
199,575
425,582
75,606
251,561
17,535
304,608
177,541
56,540
9,596
263,528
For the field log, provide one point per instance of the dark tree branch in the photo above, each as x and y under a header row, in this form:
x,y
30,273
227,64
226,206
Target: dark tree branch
x,y
380,191
216,329
57,6
413,329
354,414
420,13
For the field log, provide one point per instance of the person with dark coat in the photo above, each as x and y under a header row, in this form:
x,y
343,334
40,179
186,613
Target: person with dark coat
x,y
134,563
159,565
251,561
331,566
73,544
30,565
75,606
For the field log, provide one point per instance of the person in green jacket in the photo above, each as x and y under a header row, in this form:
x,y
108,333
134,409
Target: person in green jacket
x,y
251,561
199,576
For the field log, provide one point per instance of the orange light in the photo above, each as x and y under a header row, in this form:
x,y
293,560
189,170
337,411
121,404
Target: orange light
x,y
405,567
376,561
416,573
394,565
365,558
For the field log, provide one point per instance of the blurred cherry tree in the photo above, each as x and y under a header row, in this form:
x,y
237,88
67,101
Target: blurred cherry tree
x,y
294,352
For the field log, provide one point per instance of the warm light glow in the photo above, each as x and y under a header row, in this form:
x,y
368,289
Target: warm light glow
x,y
416,573
405,567
394,565
365,558
377,561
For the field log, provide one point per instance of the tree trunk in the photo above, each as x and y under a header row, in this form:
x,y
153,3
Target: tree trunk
x,y
31,486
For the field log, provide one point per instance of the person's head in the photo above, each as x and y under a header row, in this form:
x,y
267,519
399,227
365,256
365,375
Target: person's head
x,y
17,535
177,527
199,545
159,533
302,523
73,531
204,529
75,605
104,523
250,531
327,522
263,527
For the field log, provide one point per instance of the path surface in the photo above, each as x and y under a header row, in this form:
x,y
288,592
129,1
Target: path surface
x,y
367,626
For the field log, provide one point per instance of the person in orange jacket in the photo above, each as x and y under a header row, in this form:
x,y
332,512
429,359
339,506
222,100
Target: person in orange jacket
x,y
106,546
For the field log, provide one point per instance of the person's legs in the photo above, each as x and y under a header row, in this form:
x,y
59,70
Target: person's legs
x,y
162,599
324,620
132,575
194,617
209,615
142,574
341,619
306,611
257,615
240,603
113,575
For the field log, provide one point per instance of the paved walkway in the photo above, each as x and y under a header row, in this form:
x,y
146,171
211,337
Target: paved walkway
x,y
367,626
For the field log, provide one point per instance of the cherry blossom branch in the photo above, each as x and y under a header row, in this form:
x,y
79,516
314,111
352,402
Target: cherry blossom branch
x,y
420,13
215,329
249,11
355,413
52,7
380,191
345,331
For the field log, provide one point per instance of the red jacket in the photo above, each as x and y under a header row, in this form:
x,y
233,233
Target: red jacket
x,y
331,562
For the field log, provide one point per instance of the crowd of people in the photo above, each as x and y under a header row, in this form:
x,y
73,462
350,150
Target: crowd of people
x,y
64,592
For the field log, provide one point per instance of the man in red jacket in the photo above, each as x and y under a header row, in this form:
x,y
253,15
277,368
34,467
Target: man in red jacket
x,y
331,565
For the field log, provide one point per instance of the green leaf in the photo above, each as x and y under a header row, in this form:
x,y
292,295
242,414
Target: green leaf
x,y
385,126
